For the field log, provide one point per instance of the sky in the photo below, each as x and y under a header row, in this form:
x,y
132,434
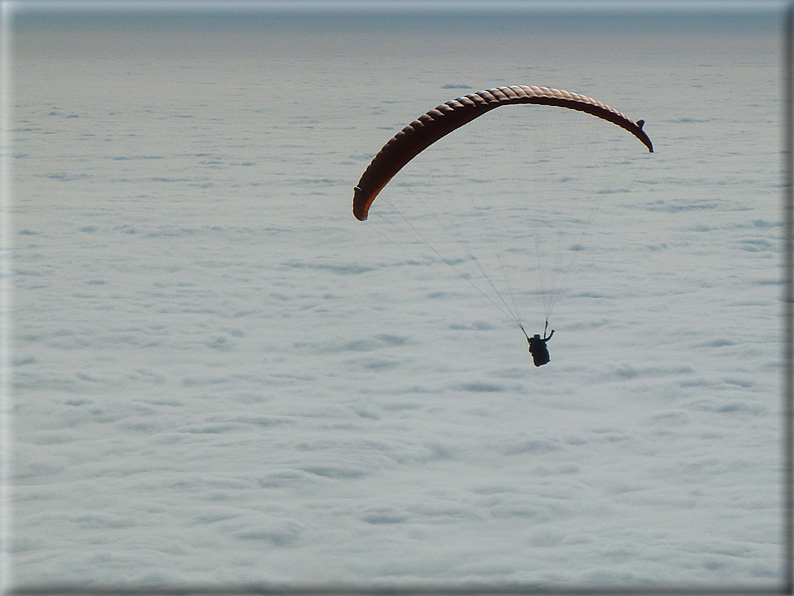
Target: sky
x,y
221,378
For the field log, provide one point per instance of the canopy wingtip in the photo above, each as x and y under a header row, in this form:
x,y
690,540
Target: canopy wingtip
x,y
359,211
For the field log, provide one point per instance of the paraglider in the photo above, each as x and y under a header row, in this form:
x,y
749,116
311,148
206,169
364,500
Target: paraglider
x,y
449,116
537,346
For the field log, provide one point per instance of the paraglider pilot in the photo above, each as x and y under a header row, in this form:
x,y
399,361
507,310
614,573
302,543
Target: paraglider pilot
x,y
537,346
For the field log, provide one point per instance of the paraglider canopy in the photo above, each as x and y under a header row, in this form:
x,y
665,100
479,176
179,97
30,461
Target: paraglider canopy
x,y
447,117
